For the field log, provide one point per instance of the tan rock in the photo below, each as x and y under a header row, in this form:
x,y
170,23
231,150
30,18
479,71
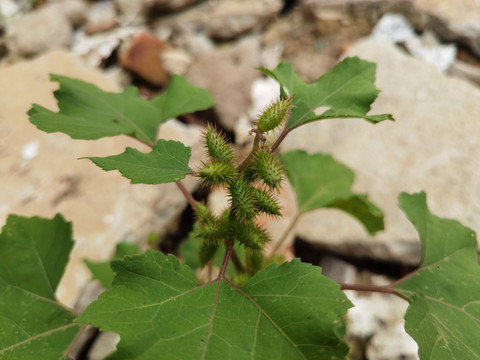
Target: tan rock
x,y
228,73
41,175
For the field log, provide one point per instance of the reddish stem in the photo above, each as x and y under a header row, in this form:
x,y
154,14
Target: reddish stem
x,y
226,258
187,194
373,288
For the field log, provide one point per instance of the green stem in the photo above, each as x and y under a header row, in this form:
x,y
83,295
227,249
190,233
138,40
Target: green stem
x,y
253,152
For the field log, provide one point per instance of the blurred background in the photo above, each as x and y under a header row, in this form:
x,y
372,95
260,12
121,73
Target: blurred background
x,y
428,70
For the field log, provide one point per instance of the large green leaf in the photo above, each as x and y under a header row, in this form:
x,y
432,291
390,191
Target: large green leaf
x,y
347,90
167,162
444,312
102,271
321,182
283,312
33,255
86,112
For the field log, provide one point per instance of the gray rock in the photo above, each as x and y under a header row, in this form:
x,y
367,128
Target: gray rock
x,y
30,35
168,5
454,20
228,73
131,11
229,19
41,174
430,147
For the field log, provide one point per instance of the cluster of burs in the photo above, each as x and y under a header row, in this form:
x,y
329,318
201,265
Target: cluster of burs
x,y
250,186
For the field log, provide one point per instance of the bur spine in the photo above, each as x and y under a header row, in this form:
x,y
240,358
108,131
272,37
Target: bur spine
x,y
274,115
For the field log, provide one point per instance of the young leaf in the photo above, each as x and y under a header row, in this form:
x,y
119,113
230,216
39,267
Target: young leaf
x,y
348,90
181,98
33,256
167,162
444,312
86,112
321,182
283,312
102,271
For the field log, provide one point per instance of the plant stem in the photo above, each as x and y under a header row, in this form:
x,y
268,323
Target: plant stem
x,y
226,258
388,289
187,194
279,244
279,140
251,156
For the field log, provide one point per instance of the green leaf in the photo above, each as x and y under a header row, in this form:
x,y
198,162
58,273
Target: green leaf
x,y
86,112
283,312
33,255
444,312
167,162
347,90
321,182
181,98
102,270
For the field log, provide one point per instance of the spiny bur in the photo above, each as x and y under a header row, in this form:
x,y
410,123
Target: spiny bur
x,y
206,252
211,229
269,168
218,147
274,115
265,202
250,235
217,173
203,213
242,200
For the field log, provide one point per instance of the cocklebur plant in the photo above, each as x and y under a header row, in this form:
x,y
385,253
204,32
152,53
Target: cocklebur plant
x,y
259,308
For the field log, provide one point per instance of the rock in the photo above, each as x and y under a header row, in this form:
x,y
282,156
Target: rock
x,y
429,148
229,19
454,20
143,58
104,345
377,320
29,36
76,11
228,73
130,11
168,5
42,176
101,17
96,48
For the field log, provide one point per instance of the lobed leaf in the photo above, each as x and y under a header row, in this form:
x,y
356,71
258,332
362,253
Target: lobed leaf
x,y
348,90
444,312
167,162
321,182
283,312
33,255
86,112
